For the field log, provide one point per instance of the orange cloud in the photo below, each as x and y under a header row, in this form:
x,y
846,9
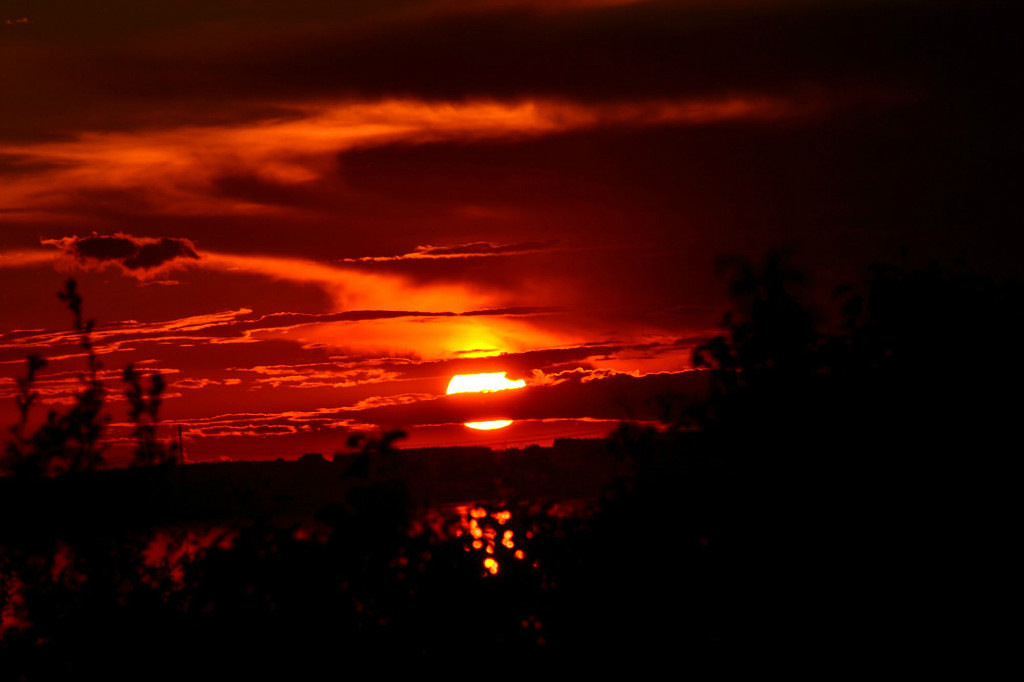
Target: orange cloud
x,y
354,289
175,170
112,337
428,338
27,258
456,319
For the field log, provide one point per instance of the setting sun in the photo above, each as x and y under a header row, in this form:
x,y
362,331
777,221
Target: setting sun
x,y
487,426
470,383
475,383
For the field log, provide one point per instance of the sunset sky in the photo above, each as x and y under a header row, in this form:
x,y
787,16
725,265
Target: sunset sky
x,y
310,215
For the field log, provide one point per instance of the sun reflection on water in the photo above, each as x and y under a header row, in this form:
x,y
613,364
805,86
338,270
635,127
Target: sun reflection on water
x,y
488,532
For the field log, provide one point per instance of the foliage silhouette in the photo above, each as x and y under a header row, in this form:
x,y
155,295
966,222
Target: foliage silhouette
x,y
373,457
17,451
73,441
143,411
857,452
84,424
769,331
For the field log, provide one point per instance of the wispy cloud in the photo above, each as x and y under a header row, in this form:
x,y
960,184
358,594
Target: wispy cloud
x,y
182,170
356,289
470,250
25,258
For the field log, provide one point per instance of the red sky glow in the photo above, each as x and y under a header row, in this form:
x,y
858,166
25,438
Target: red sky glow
x,y
310,216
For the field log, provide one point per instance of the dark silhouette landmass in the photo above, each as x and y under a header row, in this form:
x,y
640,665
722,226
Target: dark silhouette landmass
x,y
840,501
284,492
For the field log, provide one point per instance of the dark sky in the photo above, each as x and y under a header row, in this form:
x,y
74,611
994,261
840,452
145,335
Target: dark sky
x,y
310,215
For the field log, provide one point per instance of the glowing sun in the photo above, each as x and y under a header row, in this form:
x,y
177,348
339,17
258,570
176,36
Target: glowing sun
x,y
474,383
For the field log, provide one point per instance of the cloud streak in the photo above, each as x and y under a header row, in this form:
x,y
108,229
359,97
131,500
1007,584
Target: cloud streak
x,y
183,170
469,250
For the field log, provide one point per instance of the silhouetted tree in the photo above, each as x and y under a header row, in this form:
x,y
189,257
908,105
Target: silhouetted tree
x,y
375,455
69,441
18,452
770,332
868,451
84,424
765,367
143,411
72,441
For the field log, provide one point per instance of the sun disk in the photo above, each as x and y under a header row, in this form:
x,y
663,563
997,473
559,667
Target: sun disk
x,y
484,383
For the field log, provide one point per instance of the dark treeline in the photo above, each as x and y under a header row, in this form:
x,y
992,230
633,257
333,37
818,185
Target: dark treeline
x,y
839,501
862,473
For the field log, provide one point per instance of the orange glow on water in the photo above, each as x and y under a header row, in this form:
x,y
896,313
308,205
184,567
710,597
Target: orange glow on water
x,y
484,383
488,537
